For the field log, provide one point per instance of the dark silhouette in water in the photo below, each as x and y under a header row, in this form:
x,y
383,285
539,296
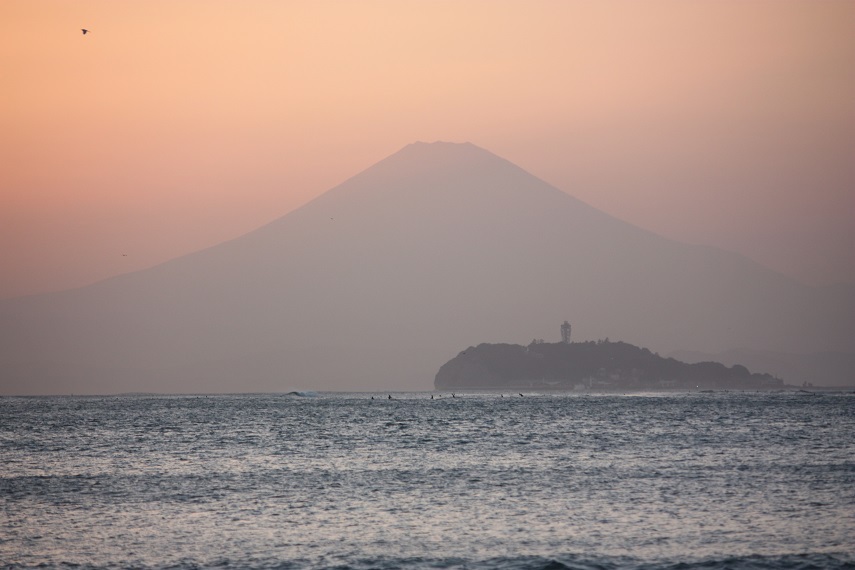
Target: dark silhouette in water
x,y
588,365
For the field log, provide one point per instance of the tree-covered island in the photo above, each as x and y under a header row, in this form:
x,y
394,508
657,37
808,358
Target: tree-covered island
x,y
591,365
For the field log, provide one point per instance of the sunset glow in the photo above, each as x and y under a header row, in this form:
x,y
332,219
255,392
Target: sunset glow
x,y
173,126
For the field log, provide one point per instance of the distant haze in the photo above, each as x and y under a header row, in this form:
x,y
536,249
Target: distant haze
x,y
379,281
173,126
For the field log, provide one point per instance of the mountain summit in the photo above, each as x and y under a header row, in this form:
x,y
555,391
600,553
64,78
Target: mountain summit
x,y
378,282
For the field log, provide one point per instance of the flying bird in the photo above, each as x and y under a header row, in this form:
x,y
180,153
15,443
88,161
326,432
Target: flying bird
x,y
84,30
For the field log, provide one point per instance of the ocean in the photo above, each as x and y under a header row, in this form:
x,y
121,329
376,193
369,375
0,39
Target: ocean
x,y
480,480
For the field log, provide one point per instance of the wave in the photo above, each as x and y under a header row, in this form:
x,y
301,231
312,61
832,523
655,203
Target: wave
x,y
567,562
303,394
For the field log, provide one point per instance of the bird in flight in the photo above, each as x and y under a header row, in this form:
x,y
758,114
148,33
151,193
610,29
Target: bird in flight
x,y
84,30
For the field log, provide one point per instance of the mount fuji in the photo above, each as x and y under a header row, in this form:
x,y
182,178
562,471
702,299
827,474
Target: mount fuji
x,y
379,281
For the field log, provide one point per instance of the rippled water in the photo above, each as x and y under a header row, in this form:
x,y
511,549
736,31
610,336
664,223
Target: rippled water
x,y
717,480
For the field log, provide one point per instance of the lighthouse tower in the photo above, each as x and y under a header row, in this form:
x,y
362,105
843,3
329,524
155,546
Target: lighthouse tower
x,y
565,333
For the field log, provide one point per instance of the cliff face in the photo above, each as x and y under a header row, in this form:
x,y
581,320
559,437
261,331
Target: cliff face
x,y
590,365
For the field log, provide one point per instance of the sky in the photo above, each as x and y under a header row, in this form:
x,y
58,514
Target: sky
x,y
173,126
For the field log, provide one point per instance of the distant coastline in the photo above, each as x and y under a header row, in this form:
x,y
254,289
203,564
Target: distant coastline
x,y
590,365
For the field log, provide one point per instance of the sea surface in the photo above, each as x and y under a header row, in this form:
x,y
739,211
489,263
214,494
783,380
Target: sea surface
x,y
480,480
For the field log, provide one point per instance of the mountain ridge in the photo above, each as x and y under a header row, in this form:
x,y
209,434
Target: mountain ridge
x,y
376,282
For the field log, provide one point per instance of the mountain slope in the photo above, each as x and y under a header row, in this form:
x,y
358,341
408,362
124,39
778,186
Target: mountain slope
x,y
379,281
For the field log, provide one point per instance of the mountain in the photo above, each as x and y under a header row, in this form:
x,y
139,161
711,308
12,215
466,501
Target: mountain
x,y
379,281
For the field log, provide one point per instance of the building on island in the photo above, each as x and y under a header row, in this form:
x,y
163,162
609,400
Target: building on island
x,y
565,333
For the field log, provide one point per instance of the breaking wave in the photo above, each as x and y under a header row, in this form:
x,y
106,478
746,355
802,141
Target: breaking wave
x,y
302,394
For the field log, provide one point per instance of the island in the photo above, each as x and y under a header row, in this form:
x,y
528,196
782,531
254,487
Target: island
x,y
589,365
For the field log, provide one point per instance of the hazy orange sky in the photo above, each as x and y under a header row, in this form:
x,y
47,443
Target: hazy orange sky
x,y
177,125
